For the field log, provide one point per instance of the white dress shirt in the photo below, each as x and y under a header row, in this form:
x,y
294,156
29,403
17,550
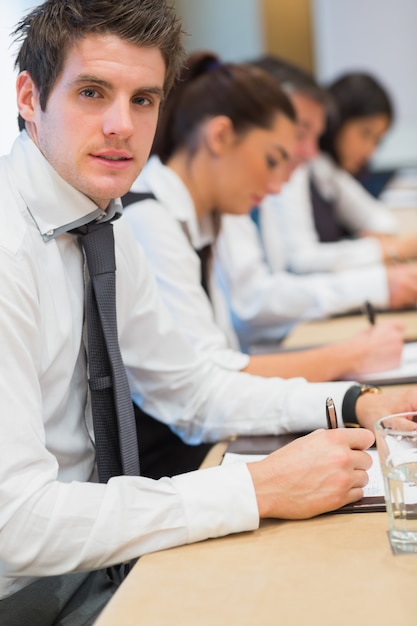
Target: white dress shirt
x,y
169,232
167,229
267,302
54,517
288,217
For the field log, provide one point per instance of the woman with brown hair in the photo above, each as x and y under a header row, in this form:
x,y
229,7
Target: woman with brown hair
x,y
224,138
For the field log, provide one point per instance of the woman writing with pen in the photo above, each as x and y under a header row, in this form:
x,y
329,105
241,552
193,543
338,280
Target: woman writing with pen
x,y
225,135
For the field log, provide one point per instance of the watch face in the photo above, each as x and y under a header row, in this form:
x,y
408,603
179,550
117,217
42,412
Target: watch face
x,y
369,389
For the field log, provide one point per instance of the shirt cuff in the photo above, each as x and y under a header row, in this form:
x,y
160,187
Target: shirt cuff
x,y
218,501
305,408
377,285
230,359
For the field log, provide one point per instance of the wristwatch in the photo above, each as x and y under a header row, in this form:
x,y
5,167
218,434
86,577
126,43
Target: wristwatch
x,y
349,403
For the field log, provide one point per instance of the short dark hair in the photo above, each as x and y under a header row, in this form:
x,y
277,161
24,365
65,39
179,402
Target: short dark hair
x,y
293,79
47,32
247,95
355,95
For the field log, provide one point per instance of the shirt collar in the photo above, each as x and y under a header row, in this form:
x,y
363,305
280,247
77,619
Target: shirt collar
x,y
175,197
54,205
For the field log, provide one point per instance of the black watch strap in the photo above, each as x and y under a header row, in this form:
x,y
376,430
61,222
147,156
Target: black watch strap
x,y
349,402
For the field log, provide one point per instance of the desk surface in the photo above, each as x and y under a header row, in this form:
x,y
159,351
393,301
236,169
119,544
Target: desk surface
x,y
341,328
334,569
407,219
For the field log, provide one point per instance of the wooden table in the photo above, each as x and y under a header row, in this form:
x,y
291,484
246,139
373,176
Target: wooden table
x,y
407,219
334,569
331,330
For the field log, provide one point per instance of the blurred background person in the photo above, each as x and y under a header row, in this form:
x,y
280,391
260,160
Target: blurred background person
x,y
224,140
329,221
266,299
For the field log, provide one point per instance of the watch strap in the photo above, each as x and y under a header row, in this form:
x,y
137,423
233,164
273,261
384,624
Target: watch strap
x,y
349,403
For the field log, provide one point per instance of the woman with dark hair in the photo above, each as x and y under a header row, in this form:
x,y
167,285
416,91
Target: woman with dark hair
x,y
224,138
362,114
330,221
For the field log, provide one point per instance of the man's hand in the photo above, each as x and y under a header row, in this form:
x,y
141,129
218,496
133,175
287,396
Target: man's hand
x,y
314,474
382,347
402,285
370,406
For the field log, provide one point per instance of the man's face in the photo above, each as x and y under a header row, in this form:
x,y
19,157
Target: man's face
x,y
310,125
101,115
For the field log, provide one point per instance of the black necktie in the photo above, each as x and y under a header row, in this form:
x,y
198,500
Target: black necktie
x,y
205,254
111,405
325,218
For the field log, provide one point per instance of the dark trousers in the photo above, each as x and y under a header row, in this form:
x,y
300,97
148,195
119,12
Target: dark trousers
x,y
68,600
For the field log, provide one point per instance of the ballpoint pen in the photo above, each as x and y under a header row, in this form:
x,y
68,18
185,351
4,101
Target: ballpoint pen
x,y
331,414
370,312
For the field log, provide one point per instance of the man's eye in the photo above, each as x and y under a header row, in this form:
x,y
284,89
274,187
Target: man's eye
x,y
89,93
142,101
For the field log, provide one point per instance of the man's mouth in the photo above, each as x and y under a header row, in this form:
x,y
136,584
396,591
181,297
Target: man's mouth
x,y
113,158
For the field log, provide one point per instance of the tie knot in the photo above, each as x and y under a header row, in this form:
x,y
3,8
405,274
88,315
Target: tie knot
x,y
97,240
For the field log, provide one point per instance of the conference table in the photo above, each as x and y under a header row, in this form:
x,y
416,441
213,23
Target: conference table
x,y
333,569
341,328
336,568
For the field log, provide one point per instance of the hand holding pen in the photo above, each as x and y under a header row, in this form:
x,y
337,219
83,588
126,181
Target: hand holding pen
x,y
370,313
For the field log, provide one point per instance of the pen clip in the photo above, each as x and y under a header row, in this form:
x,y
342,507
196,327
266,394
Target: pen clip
x,y
331,415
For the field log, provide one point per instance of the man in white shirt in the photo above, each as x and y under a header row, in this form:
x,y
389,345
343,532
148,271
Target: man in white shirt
x,y
92,76
266,299
289,218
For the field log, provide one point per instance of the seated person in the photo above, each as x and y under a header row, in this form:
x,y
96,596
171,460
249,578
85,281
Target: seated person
x,y
204,167
360,115
327,218
267,300
91,79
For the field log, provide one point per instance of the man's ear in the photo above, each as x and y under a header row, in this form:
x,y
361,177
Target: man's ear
x,y
219,134
27,96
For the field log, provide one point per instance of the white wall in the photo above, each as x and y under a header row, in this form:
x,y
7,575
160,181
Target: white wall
x,y
377,36
10,14
231,28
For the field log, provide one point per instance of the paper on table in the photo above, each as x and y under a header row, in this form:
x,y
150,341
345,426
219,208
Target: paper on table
x,y
406,372
399,198
375,486
402,189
